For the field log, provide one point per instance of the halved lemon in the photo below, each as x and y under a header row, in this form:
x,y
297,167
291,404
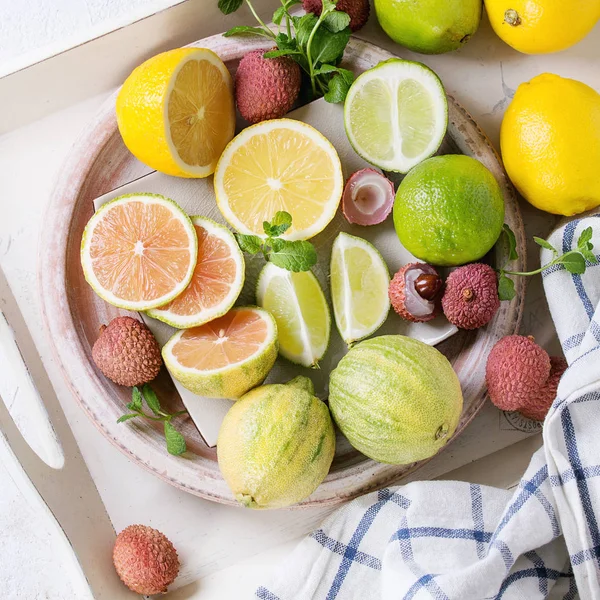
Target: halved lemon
x,y
176,111
298,304
279,165
139,251
217,281
226,357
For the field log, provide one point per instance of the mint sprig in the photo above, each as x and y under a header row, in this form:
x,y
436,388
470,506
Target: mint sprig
x,y
316,43
175,441
294,256
574,261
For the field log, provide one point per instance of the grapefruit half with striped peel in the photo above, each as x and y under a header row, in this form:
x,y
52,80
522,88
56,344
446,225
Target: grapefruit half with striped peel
x,y
226,357
217,281
139,251
276,445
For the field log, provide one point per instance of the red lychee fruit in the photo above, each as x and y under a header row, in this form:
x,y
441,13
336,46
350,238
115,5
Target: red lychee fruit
x,y
414,290
266,88
471,298
145,560
358,10
540,403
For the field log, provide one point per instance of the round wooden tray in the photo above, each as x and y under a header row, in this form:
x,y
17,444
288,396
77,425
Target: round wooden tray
x,y
99,163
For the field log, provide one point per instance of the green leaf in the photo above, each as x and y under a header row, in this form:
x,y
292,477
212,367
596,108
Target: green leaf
x,y
124,418
248,243
294,256
281,222
285,43
339,84
245,30
327,47
136,400
585,237
589,256
152,400
277,53
304,26
229,6
328,5
336,21
175,441
506,287
278,15
544,244
511,240
573,262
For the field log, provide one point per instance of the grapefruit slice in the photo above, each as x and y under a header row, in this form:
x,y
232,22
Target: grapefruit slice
x,y
226,357
139,251
216,283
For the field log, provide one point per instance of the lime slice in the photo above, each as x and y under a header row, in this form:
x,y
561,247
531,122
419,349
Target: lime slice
x,y
396,114
359,287
298,304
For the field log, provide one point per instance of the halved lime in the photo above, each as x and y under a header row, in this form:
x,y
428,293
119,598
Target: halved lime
x,y
359,287
396,114
298,304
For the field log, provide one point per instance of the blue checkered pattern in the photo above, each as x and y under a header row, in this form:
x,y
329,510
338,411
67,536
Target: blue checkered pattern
x,y
453,540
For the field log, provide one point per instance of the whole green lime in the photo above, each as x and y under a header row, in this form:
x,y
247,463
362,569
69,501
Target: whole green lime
x,y
429,26
396,399
449,210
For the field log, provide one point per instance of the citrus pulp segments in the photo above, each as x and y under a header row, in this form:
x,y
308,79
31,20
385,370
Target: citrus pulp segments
x,y
359,287
276,165
216,283
111,243
396,114
164,105
300,309
232,366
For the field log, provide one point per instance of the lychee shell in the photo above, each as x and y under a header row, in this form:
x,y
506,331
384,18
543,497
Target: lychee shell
x,y
396,293
145,560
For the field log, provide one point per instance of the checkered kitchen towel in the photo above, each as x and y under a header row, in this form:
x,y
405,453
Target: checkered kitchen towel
x,y
452,540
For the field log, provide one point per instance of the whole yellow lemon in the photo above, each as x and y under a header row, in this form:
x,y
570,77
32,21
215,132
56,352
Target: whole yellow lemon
x,y
550,141
542,26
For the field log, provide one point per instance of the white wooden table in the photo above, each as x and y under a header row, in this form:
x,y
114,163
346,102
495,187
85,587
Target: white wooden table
x,y
226,551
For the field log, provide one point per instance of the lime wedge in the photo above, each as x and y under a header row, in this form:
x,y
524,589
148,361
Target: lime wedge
x,y
298,304
359,287
396,114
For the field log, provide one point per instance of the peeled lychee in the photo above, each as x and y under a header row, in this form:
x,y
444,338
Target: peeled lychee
x,y
145,560
520,376
471,296
127,352
266,88
358,10
413,292
368,197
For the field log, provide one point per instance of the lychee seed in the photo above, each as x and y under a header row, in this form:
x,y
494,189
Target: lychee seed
x,y
413,292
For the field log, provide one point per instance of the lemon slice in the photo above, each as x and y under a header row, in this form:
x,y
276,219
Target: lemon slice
x,y
279,165
298,304
176,112
217,281
139,251
396,114
359,287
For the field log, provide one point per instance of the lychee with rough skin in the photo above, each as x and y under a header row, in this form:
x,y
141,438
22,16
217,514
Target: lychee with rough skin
x,y
414,291
471,298
145,560
127,352
357,10
521,377
266,88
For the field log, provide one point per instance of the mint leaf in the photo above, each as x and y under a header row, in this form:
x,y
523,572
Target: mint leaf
x,y
244,30
336,21
573,262
278,15
511,241
127,417
584,238
152,400
506,287
175,441
248,243
588,254
328,47
285,43
294,256
229,6
329,5
277,53
544,244
136,400
304,26
281,222
339,85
